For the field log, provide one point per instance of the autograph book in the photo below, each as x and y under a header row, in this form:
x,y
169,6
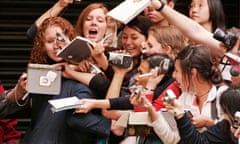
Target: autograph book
x,y
64,104
128,9
76,50
44,79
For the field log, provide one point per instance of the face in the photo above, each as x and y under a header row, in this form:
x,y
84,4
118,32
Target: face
x,y
95,25
50,44
132,41
177,74
155,16
153,46
142,69
199,11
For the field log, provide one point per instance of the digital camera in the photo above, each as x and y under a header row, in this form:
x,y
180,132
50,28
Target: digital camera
x,y
236,122
137,90
120,59
164,66
227,38
169,96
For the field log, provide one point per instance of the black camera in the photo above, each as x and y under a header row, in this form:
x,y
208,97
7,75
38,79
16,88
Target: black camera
x,y
120,59
236,122
227,38
169,96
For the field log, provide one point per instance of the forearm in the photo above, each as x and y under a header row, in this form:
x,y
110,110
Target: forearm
x,y
166,132
52,12
190,28
16,93
115,86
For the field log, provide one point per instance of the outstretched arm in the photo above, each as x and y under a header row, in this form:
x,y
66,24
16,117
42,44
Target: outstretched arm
x,y
187,26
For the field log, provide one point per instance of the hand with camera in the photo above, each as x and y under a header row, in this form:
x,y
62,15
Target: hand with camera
x,y
154,79
172,105
139,99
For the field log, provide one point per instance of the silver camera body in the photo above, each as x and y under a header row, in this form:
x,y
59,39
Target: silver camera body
x,y
120,59
164,66
169,96
236,122
137,90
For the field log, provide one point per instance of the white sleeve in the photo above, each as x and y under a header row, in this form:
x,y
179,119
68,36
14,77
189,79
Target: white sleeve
x,y
166,129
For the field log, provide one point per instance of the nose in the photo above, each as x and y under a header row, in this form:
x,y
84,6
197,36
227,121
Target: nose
x,y
56,45
94,21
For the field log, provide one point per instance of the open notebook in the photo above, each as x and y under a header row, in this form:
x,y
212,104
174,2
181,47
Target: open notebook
x,y
76,50
128,9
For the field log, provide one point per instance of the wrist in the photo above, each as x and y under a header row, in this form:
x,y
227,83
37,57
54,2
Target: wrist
x,y
162,4
151,90
179,114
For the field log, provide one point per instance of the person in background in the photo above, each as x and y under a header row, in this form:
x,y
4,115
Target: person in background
x,y
190,28
208,13
8,132
155,16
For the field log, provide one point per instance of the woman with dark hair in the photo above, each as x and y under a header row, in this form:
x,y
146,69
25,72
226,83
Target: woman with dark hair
x,y
200,81
223,132
208,13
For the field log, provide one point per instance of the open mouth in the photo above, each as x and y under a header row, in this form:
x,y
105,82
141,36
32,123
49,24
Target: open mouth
x,y
92,33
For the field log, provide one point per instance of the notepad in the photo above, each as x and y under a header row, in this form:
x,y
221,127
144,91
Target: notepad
x,y
128,9
64,104
76,50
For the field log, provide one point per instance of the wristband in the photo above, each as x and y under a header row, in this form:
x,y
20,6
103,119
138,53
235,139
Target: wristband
x,y
149,89
161,7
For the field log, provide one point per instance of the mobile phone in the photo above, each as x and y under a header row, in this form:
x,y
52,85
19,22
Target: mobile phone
x,y
189,114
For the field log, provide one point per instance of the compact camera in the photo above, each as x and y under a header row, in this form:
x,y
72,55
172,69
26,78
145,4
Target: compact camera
x,y
236,122
137,90
120,59
227,38
164,66
169,96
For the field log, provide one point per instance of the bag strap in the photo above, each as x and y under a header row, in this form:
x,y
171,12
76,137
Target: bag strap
x,y
214,106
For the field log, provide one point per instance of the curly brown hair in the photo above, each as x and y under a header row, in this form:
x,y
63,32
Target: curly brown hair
x,y
38,53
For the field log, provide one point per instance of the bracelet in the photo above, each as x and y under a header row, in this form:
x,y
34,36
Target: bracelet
x,y
161,7
149,89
